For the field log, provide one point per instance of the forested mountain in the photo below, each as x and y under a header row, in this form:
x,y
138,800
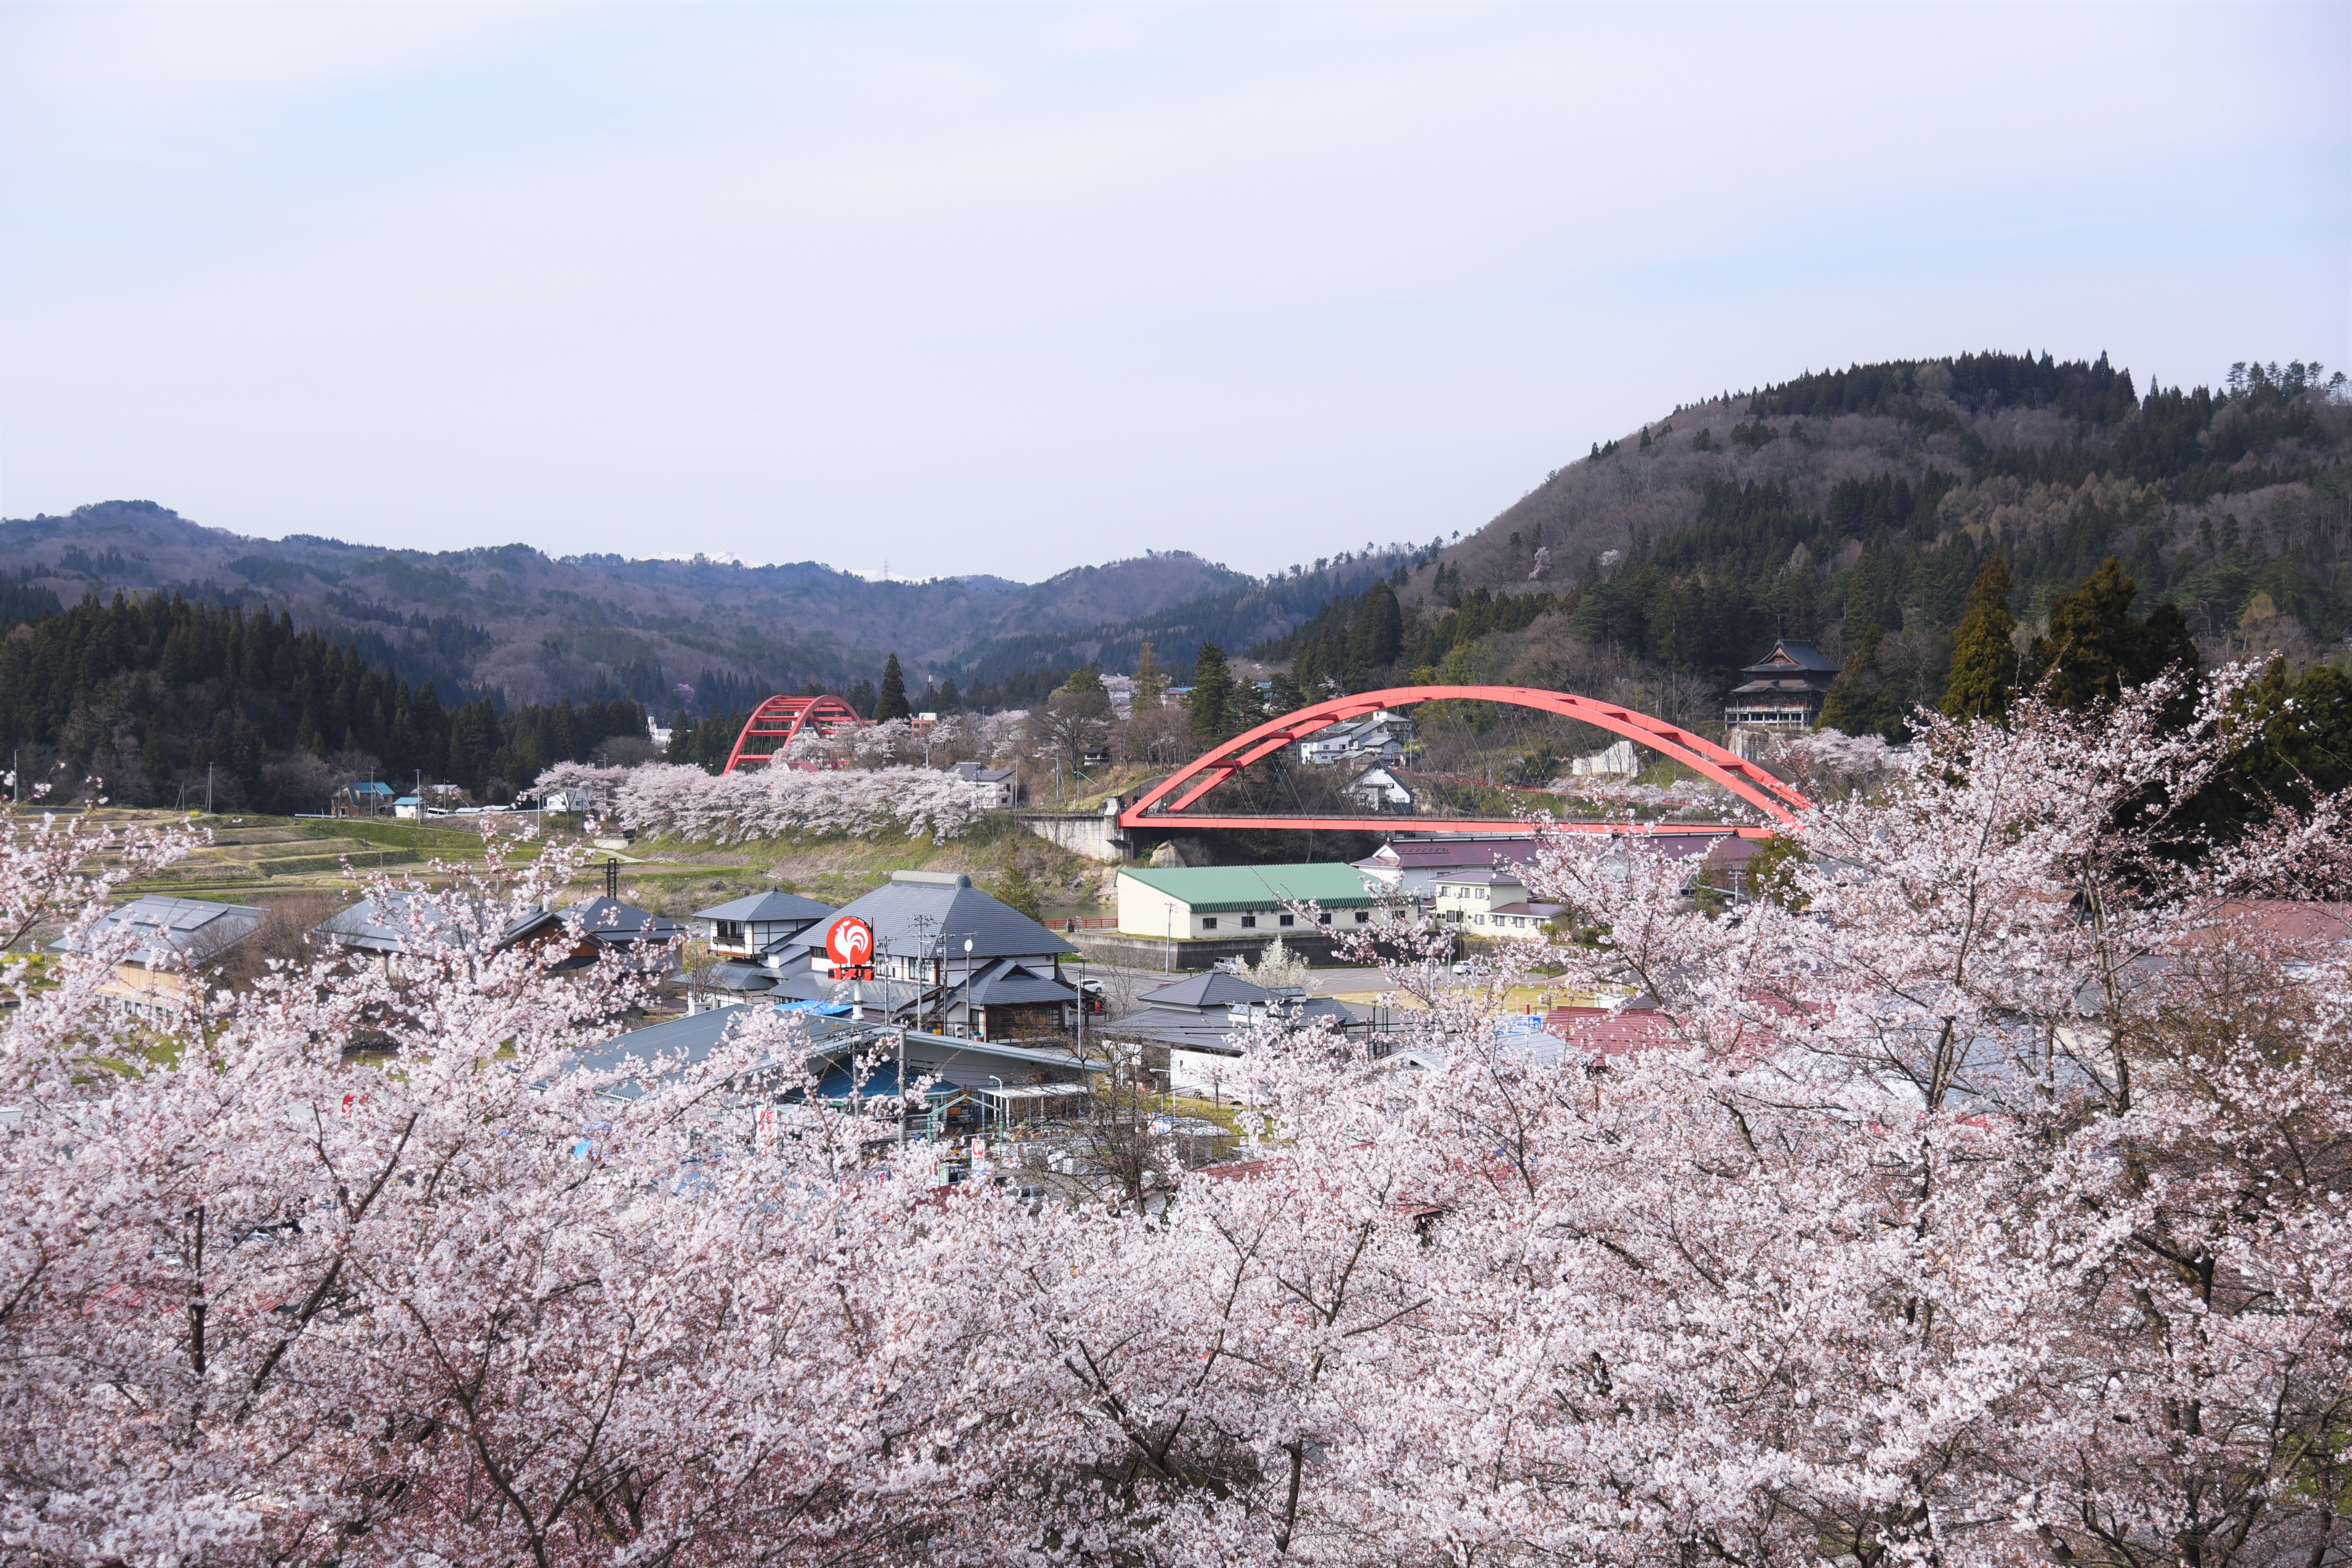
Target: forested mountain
x,y
145,700
698,635
1855,508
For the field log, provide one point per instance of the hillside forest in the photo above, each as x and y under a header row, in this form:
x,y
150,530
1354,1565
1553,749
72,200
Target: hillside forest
x,y
148,701
1856,510
1951,529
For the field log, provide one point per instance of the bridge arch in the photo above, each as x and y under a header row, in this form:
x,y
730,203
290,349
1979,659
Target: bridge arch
x,y
1164,805
781,719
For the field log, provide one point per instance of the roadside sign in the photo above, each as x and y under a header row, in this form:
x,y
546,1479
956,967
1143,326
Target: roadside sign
x,y
850,947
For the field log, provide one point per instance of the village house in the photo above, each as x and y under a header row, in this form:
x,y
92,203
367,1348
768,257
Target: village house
x,y
1492,902
400,922
1379,737
1381,787
960,1088
1411,865
999,787
751,927
1192,1021
368,799
1217,902
170,940
946,957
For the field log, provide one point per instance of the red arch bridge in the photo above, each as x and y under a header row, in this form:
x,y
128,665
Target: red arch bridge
x,y
781,720
1169,803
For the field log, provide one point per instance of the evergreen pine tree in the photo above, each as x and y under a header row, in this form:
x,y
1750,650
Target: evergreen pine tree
x,y
1150,680
1212,685
2094,646
1377,634
1859,703
1984,658
892,703
1019,891
1085,678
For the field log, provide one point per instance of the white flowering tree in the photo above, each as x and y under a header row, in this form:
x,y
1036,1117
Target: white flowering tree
x,y
1984,1197
779,803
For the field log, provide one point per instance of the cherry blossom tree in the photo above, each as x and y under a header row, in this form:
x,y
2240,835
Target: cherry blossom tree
x,y
771,802
1982,1199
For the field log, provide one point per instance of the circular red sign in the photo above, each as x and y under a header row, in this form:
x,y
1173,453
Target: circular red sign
x,y
850,943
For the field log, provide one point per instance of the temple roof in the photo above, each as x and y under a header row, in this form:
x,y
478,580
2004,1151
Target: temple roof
x,y
1790,657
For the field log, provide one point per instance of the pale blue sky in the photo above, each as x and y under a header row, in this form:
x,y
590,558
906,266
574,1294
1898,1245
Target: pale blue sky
x,y
1015,288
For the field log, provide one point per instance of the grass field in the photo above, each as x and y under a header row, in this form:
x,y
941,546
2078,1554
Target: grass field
x,y
258,859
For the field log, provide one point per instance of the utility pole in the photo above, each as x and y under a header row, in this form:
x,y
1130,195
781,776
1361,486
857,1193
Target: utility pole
x,y
208,789
924,951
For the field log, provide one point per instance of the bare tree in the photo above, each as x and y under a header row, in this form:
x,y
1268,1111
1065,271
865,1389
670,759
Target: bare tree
x,y
284,937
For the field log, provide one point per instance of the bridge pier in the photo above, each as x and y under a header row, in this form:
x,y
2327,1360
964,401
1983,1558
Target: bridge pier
x,y
1097,835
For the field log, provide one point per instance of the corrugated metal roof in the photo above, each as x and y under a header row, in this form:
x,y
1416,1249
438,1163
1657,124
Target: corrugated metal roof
x,y
177,925
385,928
1214,889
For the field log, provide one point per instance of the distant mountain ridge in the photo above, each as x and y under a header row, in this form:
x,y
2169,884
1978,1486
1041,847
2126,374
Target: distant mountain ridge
x,y
1674,550
532,628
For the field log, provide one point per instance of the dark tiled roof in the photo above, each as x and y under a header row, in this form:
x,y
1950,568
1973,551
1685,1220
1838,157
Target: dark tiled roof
x,y
954,910
964,1063
1012,985
1789,653
1192,1028
1215,989
610,920
740,978
774,907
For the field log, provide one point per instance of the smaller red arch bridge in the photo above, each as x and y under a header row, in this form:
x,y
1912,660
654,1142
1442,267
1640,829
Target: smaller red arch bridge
x,y
1168,804
781,719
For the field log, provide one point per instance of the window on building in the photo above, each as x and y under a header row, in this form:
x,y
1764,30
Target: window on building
x,y
1323,918
1363,917
1208,923
1285,920
1249,922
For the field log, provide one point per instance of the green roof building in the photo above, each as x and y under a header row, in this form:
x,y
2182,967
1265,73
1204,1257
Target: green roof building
x,y
1219,902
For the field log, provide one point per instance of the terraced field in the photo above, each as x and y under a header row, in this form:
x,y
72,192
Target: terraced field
x,y
267,856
